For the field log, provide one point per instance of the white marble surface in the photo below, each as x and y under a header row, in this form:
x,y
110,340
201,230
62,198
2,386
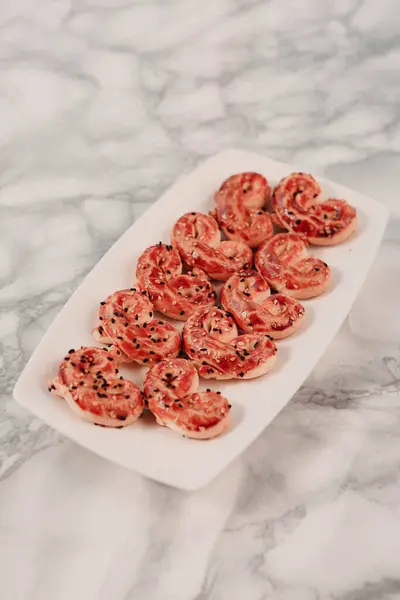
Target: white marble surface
x,y
103,103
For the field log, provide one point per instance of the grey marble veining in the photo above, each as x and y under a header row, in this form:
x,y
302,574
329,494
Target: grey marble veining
x,y
103,103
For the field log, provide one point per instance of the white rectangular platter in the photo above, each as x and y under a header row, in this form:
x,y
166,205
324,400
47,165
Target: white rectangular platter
x,y
145,447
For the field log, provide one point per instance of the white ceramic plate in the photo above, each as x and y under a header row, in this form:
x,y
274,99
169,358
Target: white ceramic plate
x,y
157,452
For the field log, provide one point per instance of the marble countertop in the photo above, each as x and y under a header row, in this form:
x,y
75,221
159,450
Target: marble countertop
x,y
103,104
